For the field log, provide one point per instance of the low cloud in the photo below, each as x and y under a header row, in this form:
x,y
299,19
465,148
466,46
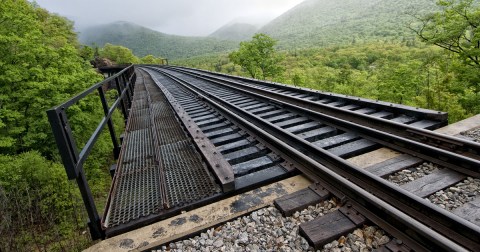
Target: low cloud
x,y
181,17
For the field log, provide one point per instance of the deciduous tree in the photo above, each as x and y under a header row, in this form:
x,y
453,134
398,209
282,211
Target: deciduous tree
x,y
258,57
118,54
455,28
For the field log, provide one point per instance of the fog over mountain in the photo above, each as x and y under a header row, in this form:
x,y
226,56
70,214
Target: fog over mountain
x,y
179,17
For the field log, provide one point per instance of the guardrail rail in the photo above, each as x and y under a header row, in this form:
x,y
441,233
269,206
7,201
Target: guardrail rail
x,y
72,159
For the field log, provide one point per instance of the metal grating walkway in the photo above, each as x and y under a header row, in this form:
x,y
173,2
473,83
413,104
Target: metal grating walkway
x,y
159,168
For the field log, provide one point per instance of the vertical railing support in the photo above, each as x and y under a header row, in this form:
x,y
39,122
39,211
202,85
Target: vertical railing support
x,y
73,160
120,89
94,224
111,129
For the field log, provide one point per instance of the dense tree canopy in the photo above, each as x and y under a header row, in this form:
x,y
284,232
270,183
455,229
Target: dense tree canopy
x,y
118,54
258,57
39,67
456,27
150,59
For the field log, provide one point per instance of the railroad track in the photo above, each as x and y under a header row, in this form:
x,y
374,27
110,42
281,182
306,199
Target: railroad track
x,y
400,120
256,132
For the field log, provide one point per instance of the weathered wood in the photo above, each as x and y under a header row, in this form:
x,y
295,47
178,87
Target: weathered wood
x,y
320,190
365,110
393,165
354,148
470,211
296,201
293,122
317,134
383,114
427,124
433,182
353,215
404,119
304,127
324,229
337,140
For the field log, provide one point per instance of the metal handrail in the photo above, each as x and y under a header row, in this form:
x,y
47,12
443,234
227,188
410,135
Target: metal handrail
x,y
73,160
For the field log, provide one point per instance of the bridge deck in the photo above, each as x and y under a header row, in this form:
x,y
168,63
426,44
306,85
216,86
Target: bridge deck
x,y
159,170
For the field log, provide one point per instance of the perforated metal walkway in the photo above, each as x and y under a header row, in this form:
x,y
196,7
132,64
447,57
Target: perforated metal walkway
x,y
159,169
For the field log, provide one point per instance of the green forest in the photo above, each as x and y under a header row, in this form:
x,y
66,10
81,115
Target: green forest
x,y
430,60
41,65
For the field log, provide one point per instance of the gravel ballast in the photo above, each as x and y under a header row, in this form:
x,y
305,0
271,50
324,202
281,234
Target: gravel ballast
x,y
457,195
411,174
267,230
473,134
263,230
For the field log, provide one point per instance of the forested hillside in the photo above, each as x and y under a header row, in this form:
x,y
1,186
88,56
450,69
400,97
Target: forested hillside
x,y
326,22
144,41
40,67
235,32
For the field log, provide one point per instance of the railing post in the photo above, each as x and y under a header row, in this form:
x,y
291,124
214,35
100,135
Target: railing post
x,y
129,91
71,158
65,141
68,151
131,84
116,147
120,89
94,223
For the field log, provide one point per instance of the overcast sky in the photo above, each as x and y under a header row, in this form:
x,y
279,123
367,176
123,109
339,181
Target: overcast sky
x,y
181,17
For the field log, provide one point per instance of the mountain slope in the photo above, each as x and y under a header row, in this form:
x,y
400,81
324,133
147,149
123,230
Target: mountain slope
x,y
235,31
144,41
323,22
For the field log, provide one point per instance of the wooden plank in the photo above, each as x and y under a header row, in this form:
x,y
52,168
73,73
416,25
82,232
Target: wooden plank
x,y
433,182
264,109
351,107
404,119
365,110
371,158
324,229
470,211
336,140
281,118
393,165
317,134
297,201
427,124
383,114
293,122
303,127
354,148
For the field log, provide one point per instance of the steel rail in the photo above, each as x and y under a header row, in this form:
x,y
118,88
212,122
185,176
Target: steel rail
x,y
419,217
377,104
370,205
455,161
446,142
